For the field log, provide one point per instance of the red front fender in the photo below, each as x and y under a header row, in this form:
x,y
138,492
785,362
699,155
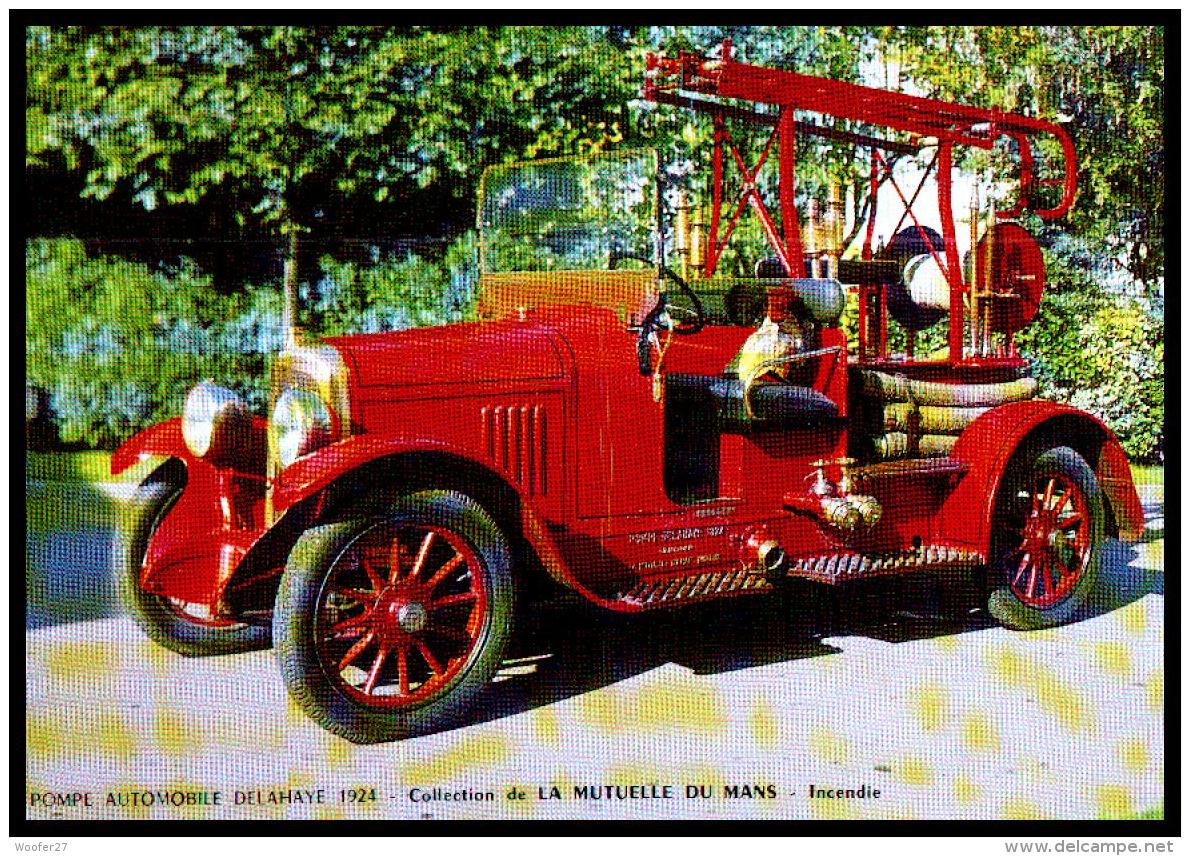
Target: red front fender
x,y
163,439
989,443
315,471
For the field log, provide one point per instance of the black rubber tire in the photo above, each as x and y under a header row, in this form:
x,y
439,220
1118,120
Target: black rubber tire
x,y
1003,604
165,626
309,567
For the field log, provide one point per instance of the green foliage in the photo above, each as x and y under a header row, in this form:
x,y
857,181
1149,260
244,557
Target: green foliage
x,y
1103,354
263,129
117,346
276,116
394,295
1106,82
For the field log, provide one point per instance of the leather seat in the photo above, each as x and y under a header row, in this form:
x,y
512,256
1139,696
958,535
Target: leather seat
x,y
775,406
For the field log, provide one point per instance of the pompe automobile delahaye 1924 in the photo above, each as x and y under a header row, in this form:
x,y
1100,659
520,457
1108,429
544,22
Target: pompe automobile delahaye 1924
x,y
646,434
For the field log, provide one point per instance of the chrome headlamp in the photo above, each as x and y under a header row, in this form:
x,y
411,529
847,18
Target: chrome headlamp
x,y
216,423
301,424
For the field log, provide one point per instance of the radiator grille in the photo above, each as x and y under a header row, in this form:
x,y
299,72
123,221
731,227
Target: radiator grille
x,y
514,437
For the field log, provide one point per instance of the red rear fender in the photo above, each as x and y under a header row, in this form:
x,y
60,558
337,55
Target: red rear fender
x,y
989,444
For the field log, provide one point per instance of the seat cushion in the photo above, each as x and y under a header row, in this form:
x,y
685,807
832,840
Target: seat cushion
x,y
774,405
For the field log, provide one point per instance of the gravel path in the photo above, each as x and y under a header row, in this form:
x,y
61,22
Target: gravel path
x,y
945,720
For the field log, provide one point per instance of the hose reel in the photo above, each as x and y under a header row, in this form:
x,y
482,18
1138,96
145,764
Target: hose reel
x,y
1009,278
921,308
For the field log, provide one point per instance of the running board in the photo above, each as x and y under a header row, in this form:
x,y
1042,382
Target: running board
x,y
692,587
836,568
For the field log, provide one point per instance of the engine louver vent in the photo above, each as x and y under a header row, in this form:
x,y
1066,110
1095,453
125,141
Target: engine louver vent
x,y
514,438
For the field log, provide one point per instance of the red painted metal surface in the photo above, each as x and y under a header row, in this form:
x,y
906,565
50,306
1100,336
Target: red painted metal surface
x,y
1013,268
954,263
713,85
989,443
591,481
161,440
924,117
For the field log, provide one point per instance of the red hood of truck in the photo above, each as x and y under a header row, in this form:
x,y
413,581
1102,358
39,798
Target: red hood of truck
x,y
459,353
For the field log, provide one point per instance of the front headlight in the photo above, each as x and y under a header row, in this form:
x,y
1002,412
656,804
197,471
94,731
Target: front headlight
x,y
215,423
301,424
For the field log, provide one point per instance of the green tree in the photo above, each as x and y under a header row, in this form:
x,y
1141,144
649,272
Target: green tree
x,y
1105,83
285,123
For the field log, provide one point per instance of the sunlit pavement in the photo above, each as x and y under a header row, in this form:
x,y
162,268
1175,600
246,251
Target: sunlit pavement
x,y
944,718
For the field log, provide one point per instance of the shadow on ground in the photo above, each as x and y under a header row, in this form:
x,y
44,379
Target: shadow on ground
x,y
566,648
69,536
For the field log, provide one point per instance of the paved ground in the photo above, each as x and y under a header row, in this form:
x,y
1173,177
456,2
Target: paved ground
x,y
946,720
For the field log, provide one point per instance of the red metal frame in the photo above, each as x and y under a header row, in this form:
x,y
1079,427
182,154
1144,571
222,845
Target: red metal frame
x,y
786,242
717,82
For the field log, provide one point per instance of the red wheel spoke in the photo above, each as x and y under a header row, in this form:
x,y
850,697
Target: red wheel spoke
x,y
424,551
355,650
394,561
377,664
451,600
1021,568
430,659
368,613
358,595
1032,579
1056,545
352,623
1047,578
1049,495
442,572
402,671
373,577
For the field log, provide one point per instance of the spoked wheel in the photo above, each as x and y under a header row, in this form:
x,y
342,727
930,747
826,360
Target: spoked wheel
x,y
1050,521
389,627
402,612
1055,546
187,628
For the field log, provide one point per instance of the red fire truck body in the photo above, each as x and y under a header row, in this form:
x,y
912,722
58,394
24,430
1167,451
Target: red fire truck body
x,y
376,528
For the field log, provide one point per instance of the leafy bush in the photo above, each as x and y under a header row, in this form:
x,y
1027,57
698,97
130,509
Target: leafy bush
x,y
392,294
117,345
1103,353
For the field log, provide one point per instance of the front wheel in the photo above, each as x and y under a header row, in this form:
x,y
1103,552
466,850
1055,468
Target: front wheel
x,y
390,627
1050,520
189,629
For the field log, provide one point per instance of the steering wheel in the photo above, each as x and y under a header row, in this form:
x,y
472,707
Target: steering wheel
x,y
662,311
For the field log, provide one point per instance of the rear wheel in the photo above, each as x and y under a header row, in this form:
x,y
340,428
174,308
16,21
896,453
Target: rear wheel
x,y
187,628
1050,520
390,627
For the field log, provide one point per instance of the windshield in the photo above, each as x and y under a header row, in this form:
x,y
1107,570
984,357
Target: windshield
x,y
563,231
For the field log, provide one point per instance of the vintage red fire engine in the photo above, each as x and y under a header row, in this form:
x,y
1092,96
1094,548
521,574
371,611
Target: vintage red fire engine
x,y
628,419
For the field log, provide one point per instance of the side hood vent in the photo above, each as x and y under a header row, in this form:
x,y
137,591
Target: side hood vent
x,y
514,438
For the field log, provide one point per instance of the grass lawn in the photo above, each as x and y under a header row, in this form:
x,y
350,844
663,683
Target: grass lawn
x,y
81,467
1151,478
